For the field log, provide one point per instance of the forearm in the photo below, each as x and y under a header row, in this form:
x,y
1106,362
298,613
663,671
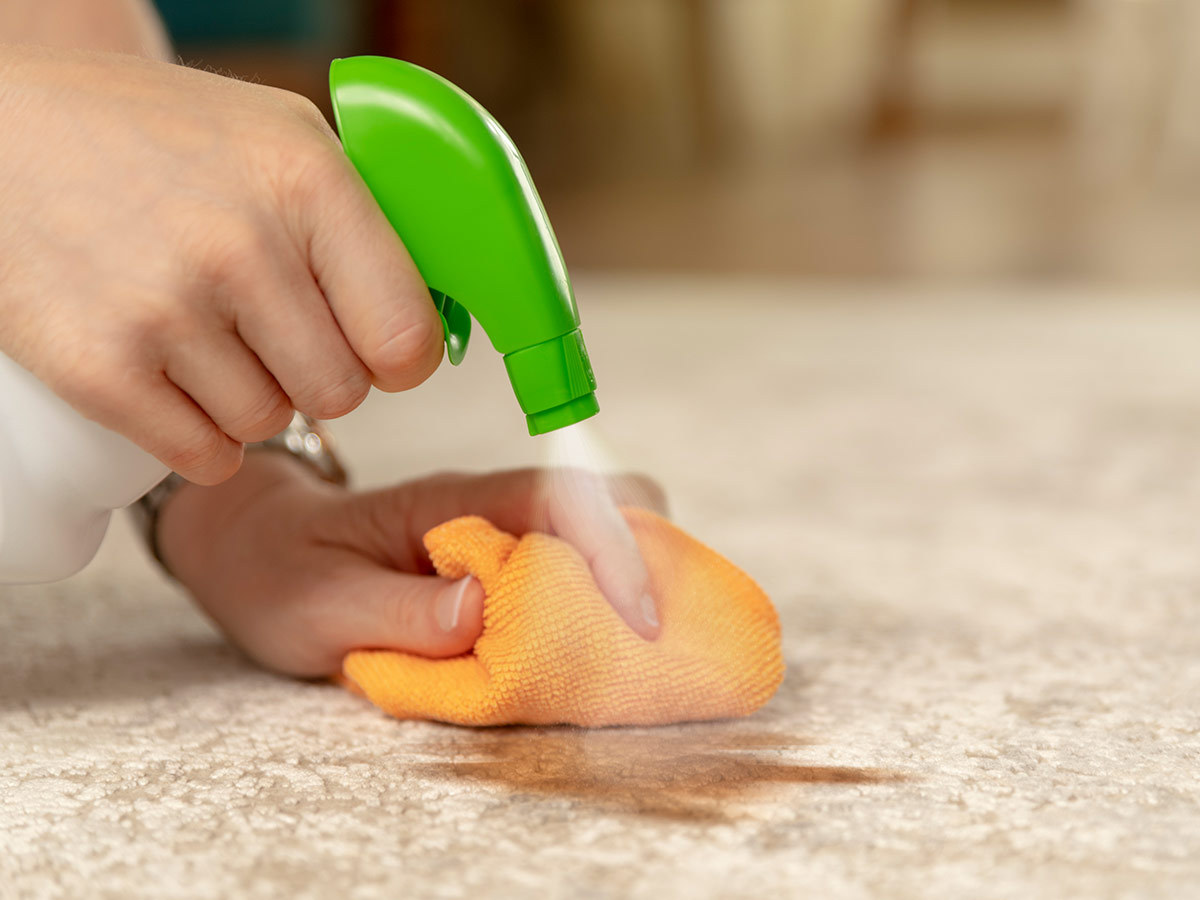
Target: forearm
x,y
120,26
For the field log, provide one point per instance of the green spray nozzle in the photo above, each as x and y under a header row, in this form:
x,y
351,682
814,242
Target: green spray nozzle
x,y
454,187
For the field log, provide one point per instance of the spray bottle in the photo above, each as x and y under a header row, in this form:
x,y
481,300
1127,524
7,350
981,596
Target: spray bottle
x,y
453,185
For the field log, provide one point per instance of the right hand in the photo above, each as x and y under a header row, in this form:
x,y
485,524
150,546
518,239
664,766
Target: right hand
x,y
186,258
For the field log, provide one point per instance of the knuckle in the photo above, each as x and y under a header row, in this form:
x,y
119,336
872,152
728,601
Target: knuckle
x,y
236,250
406,357
149,326
266,415
304,109
335,396
412,618
310,170
203,455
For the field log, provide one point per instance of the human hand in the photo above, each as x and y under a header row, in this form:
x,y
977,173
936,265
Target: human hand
x,y
185,258
298,572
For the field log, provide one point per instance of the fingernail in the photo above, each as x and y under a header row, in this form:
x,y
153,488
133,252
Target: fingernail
x,y
449,605
649,613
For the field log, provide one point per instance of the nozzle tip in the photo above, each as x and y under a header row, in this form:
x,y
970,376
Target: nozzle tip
x,y
561,416
553,382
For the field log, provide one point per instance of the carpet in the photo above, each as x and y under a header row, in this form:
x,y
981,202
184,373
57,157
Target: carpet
x,y
978,514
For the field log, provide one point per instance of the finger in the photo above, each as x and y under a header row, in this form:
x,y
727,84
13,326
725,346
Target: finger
x,y
383,609
164,421
292,331
230,383
584,513
371,283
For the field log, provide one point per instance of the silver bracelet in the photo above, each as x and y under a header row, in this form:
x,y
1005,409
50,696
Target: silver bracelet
x,y
304,438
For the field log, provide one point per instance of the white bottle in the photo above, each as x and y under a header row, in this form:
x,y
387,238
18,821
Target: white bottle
x,y
61,476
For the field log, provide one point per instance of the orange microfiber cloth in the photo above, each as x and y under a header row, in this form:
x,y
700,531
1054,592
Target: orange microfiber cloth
x,y
553,651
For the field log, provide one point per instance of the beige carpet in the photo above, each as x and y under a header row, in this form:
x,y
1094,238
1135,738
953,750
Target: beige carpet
x,y
980,518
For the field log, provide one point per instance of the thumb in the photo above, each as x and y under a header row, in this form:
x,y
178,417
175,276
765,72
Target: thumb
x,y
420,614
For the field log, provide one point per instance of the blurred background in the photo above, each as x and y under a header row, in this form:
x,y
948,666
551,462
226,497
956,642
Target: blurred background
x,y
863,139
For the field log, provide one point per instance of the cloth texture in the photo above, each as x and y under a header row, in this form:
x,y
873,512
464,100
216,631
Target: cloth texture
x,y
553,651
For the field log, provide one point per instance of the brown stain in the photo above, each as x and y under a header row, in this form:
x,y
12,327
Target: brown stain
x,y
703,774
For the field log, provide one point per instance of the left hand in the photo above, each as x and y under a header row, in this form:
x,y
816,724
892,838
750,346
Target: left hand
x,y
298,572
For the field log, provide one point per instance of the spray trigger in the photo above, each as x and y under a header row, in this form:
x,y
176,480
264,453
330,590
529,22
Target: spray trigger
x,y
456,325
